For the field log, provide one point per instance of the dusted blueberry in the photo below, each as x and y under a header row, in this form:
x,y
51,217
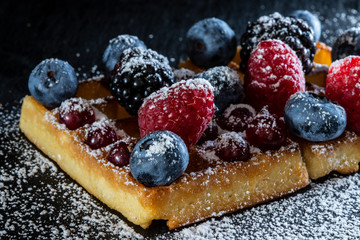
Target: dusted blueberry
x,y
52,81
159,159
227,85
116,47
311,19
211,42
347,44
314,117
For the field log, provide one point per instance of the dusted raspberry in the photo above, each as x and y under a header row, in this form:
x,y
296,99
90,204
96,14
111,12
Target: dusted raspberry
x,y
230,147
274,73
236,117
185,108
211,132
75,113
343,87
266,131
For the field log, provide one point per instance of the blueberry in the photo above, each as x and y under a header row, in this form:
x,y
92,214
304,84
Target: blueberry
x,y
227,85
311,19
346,44
116,47
52,82
314,117
159,159
211,42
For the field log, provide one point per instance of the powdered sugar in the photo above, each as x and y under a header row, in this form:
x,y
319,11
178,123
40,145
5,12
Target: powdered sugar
x,y
183,74
37,200
234,120
53,205
197,83
76,105
138,59
163,144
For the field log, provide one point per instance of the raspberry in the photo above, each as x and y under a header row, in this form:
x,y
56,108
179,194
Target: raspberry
x,y
266,131
139,73
185,108
274,73
294,32
75,113
236,117
230,146
343,87
119,154
100,134
211,132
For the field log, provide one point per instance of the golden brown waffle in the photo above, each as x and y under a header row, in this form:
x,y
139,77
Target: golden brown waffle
x,y
209,187
342,154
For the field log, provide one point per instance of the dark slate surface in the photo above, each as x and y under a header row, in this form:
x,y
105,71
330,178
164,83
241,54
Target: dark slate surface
x,y
79,32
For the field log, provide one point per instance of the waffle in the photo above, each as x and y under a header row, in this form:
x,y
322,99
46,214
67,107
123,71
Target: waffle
x,y
341,155
209,187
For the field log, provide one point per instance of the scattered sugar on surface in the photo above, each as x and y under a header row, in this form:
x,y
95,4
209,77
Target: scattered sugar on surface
x,y
38,199
69,106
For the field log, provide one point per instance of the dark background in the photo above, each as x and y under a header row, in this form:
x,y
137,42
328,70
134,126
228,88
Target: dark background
x,y
79,31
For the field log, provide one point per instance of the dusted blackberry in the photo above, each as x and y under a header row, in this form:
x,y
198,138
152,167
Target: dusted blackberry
x,y
346,44
139,73
294,32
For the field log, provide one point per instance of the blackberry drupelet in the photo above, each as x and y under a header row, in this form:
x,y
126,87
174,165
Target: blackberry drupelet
x,y
139,73
294,32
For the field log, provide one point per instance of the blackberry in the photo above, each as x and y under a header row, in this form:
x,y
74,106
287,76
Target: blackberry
x,y
346,44
292,31
139,73
311,19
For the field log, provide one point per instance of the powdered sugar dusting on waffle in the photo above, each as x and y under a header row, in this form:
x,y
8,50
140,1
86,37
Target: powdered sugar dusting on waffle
x,y
39,201
52,118
326,209
326,149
